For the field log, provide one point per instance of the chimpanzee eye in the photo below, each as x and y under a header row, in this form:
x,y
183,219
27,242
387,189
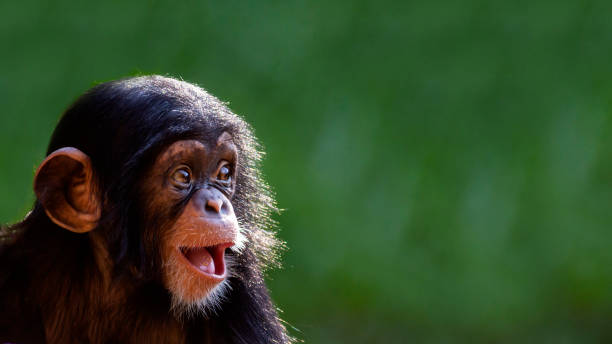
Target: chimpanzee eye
x,y
181,176
225,173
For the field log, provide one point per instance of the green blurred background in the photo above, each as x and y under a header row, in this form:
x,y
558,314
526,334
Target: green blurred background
x,y
445,166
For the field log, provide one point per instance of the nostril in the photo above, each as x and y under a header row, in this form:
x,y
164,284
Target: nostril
x,y
224,208
214,205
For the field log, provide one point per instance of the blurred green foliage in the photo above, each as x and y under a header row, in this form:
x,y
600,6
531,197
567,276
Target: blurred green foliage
x,y
445,167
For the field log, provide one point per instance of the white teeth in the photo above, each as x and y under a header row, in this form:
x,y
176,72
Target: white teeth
x,y
207,268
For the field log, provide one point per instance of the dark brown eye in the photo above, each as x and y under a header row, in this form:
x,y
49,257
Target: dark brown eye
x,y
224,173
181,176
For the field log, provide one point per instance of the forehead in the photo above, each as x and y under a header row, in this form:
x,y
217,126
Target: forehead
x,y
184,148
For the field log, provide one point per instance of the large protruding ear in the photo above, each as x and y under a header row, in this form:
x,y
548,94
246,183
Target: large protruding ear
x,y
65,185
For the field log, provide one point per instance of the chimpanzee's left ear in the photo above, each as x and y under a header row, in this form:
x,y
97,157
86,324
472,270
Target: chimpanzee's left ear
x,y
64,184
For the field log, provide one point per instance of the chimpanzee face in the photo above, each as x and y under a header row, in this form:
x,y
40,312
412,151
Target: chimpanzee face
x,y
198,179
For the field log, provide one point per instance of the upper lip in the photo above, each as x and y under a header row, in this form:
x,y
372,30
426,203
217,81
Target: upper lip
x,y
225,244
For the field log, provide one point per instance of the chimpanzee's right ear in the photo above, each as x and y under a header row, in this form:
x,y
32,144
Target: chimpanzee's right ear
x,y
65,186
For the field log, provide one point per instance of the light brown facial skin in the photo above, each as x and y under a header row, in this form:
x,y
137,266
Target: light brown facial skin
x,y
206,220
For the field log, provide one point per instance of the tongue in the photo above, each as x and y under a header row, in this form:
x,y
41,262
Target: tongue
x,y
201,258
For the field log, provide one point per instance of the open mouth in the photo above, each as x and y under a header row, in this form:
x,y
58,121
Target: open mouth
x,y
209,260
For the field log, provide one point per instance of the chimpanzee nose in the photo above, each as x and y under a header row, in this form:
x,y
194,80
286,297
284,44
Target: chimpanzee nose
x,y
214,205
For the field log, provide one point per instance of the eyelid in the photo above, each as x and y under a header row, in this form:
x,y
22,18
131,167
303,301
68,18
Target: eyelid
x,y
224,163
178,167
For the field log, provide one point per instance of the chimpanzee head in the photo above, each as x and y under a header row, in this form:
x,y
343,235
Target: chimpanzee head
x,y
165,179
